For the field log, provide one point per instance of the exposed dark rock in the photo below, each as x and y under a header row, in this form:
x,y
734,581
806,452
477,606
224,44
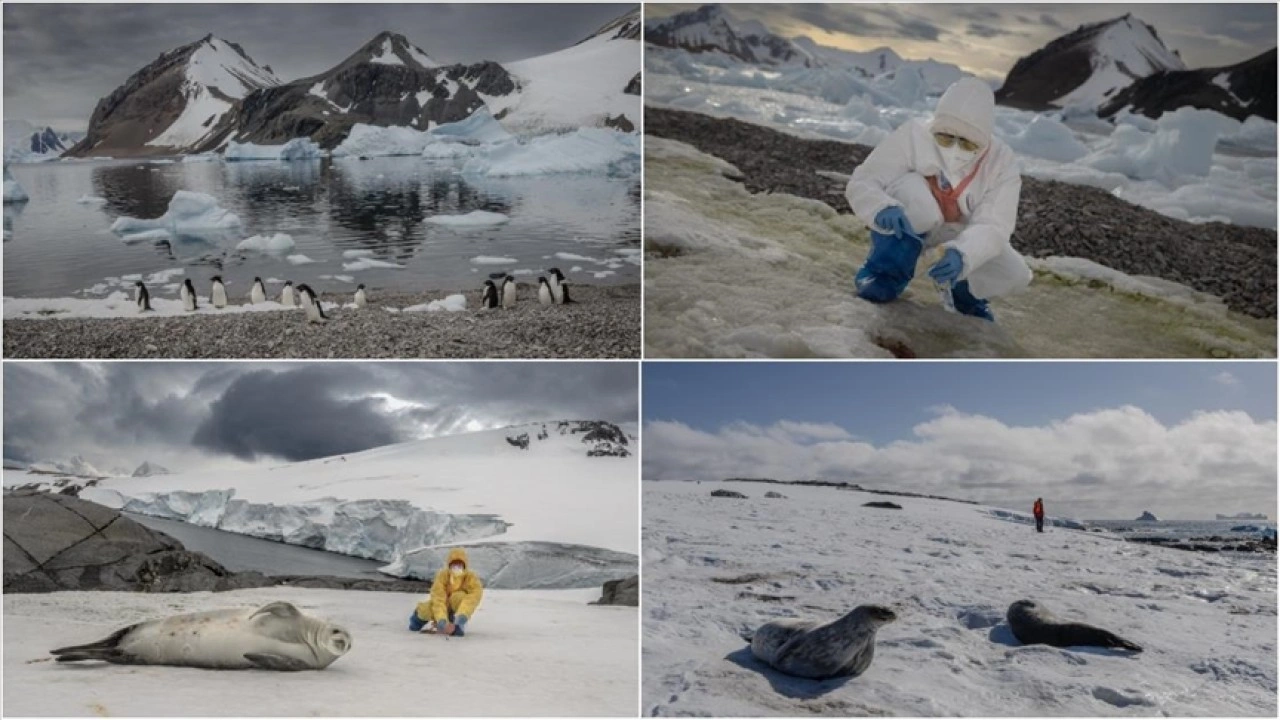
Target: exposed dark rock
x,y
621,592
619,123
1233,262
728,494
634,87
1252,91
46,142
883,504
1147,517
775,495
521,441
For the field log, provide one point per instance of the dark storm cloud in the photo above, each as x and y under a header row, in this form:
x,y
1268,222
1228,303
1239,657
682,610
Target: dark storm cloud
x,y
119,414
987,31
1050,21
60,59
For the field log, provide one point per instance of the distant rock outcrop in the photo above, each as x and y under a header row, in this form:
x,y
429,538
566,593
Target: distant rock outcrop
x,y
711,28
1238,91
1147,517
728,494
621,592
882,504
148,468
775,495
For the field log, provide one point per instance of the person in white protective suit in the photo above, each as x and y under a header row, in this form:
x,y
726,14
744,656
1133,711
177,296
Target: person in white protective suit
x,y
945,183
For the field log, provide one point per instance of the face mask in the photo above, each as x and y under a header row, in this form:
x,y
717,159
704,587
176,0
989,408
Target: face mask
x,y
955,161
456,569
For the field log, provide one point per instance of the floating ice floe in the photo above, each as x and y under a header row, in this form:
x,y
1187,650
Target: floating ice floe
x,y
475,218
276,244
13,192
189,213
200,158
299,260
585,150
92,200
491,260
367,263
350,254
295,149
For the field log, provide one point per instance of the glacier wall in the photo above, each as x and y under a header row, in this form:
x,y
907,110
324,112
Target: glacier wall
x,y
524,565
375,529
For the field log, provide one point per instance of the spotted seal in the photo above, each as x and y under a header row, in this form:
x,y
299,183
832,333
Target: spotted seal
x,y
276,636
1033,624
806,648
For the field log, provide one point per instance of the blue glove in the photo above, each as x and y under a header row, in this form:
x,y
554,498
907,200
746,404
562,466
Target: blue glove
x,y
460,620
893,221
947,270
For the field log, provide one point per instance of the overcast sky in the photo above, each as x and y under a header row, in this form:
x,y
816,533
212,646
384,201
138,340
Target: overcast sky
x,y
1096,440
60,59
189,415
987,39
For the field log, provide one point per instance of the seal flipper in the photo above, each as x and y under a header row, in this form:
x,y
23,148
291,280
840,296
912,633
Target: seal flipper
x,y
1118,642
106,649
272,661
279,608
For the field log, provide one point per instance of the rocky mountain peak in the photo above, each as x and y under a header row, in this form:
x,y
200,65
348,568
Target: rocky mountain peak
x,y
392,49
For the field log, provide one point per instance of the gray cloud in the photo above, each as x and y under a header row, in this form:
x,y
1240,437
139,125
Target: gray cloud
x,y
187,414
1050,21
987,31
60,59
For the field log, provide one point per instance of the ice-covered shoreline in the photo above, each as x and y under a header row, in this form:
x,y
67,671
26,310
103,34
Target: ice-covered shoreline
x,y
605,323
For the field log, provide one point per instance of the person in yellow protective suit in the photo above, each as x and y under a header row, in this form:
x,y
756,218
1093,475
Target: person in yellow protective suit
x,y
455,595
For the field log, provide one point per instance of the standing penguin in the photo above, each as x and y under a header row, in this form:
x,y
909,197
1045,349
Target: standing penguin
x,y
311,303
544,291
188,294
361,300
259,292
509,292
489,299
144,298
218,295
559,287
287,297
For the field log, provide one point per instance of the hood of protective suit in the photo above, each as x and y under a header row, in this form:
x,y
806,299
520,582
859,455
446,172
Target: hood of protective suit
x,y
458,555
967,109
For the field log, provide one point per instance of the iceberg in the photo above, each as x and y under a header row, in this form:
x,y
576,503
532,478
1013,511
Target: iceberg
x,y
368,263
13,192
585,150
295,149
374,141
472,219
277,244
479,127
189,213
1047,138
1182,144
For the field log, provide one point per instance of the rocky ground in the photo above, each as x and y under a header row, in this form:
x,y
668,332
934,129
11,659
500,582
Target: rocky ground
x,y
604,323
1235,263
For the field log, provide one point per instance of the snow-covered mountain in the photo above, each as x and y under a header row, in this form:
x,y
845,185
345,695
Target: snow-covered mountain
x,y
539,505
26,142
595,83
871,62
1239,91
712,29
77,466
148,468
1087,67
176,103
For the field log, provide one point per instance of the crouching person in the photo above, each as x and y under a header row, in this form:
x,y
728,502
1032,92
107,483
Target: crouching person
x,y
455,595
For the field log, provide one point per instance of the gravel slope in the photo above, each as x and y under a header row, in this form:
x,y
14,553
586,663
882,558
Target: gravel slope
x,y
1235,263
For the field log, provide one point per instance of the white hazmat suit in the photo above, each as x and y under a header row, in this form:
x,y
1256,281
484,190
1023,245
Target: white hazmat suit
x,y
902,168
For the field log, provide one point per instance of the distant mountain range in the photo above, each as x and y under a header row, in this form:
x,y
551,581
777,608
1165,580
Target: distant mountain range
x,y
201,96
28,142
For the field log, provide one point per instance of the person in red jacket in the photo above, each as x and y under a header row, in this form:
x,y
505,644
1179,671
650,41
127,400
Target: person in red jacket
x,y
1038,511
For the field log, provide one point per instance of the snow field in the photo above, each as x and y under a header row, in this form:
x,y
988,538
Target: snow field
x,y
774,277
549,652
717,568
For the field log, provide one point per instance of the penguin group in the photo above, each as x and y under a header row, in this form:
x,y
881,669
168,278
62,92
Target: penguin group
x,y
553,291
290,296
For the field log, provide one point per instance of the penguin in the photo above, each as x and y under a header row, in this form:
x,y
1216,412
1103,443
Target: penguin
x,y
218,295
361,300
144,297
544,291
489,299
259,292
311,302
287,297
509,292
559,287
189,296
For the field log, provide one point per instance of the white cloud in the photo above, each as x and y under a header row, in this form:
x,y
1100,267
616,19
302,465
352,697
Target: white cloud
x,y
1106,463
1226,378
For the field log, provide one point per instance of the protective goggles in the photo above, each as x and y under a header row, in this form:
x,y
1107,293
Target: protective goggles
x,y
946,140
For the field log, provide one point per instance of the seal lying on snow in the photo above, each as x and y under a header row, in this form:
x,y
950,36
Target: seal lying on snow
x,y
276,636
1033,624
808,649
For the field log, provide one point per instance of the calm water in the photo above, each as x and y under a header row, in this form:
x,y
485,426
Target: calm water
x,y
240,553
1184,529
57,247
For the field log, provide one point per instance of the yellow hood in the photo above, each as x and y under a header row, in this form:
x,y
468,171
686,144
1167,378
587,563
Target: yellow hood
x,y
458,555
